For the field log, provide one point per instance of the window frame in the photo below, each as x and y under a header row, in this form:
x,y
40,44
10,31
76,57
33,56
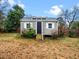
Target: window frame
x,y
28,25
25,25
50,25
47,25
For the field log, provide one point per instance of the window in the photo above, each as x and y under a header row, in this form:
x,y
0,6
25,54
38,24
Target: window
x,y
49,25
38,18
43,18
28,25
34,18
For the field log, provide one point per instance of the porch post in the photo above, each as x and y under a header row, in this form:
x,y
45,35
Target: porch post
x,y
42,31
36,26
20,27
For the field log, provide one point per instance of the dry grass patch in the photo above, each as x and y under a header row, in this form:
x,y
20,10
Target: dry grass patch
x,y
18,48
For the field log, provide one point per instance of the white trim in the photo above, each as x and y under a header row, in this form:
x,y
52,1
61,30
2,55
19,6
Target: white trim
x,y
42,31
36,25
31,24
47,25
24,25
53,25
20,27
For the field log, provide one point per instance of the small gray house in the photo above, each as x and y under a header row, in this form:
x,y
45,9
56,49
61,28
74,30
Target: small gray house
x,y
42,25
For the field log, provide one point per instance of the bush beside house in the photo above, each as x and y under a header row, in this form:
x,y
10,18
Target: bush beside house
x,y
29,33
74,31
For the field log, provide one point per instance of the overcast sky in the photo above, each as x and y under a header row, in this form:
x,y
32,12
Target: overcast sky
x,y
48,8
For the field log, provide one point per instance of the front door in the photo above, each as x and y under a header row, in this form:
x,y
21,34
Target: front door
x,y
38,27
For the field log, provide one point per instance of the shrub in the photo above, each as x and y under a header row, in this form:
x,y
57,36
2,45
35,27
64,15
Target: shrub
x,y
61,31
61,34
77,32
29,33
72,33
75,26
54,35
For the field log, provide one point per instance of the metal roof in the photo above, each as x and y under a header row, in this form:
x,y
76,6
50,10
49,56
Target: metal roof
x,y
34,18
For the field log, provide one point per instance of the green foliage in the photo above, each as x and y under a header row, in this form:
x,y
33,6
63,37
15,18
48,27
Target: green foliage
x,y
75,25
3,11
29,33
9,25
1,26
72,34
12,22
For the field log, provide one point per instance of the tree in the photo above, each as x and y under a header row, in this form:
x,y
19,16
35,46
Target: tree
x,y
1,14
61,27
75,28
61,20
70,16
3,10
75,25
12,23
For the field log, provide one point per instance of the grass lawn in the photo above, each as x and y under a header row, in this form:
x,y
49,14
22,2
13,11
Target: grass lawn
x,y
12,47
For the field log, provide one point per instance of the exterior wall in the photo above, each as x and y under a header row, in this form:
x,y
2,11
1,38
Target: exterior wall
x,y
48,31
22,26
43,20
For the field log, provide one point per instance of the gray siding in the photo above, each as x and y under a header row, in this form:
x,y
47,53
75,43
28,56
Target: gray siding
x,y
34,20
22,26
47,31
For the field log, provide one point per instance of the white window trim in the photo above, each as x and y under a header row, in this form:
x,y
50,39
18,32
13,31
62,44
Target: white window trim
x,y
53,25
31,24
25,25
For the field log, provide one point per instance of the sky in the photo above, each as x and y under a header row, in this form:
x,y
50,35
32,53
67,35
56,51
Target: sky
x,y
49,8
